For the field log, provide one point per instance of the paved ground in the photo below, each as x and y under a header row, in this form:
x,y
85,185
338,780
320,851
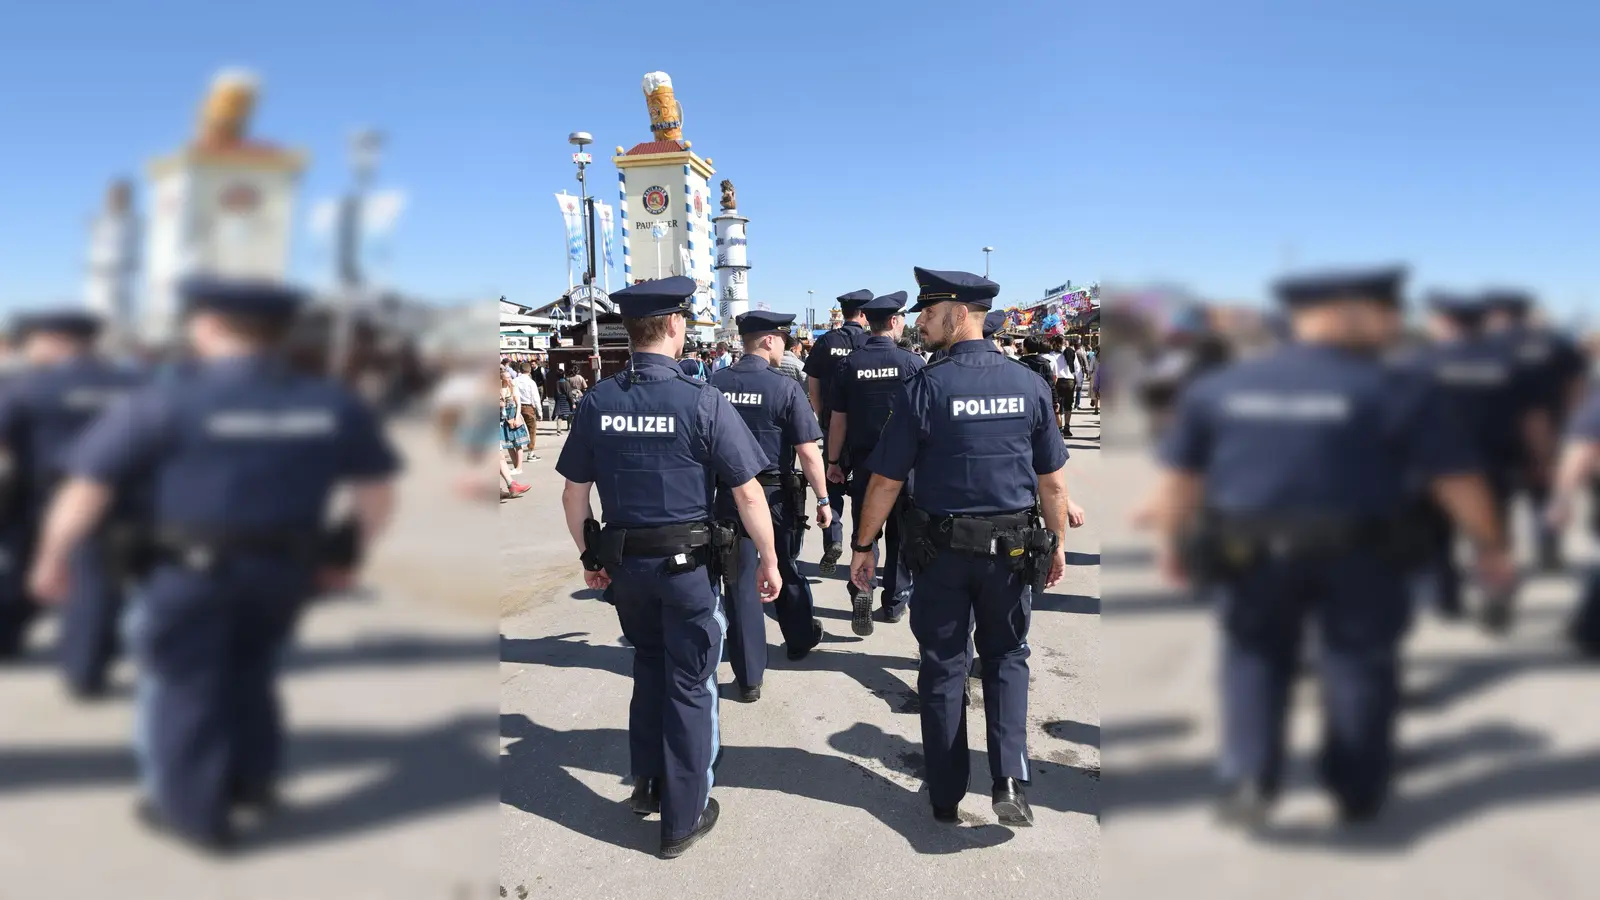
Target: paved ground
x,y
1501,751
392,772
820,787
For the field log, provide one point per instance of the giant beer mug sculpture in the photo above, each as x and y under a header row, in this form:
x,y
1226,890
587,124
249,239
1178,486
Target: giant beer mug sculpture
x,y
666,115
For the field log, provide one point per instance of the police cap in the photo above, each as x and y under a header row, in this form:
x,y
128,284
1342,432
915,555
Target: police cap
x,y
1517,303
961,287
661,297
1462,310
69,323
1373,285
993,322
759,321
886,305
854,300
255,298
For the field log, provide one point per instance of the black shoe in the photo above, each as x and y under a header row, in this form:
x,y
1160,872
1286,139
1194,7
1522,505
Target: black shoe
x,y
261,798
88,693
216,844
890,614
750,694
1244,805
947,814
830,559
1011,804
708,821
646,796
1351,813
795,654
860,611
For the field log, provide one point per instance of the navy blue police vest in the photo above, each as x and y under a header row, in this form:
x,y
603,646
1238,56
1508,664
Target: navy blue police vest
x,y
979,411
1480,382
828,352
646,427
56,404
864,388
761,395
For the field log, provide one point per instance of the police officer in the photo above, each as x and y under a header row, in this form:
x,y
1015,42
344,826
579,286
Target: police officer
x,y
239,460
1292,470
1479,381
41,414
654,443
776,410
824,358
1553,373
864,386
1580,462
979,435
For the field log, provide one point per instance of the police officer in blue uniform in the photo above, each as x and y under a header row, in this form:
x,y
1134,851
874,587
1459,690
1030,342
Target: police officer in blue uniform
x,y
778,414
41,414
1290,474
1480,382
655,442
826,354
979,436
1579,465
864,386
1553,374
238,461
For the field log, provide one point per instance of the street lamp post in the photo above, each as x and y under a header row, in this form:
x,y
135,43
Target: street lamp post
x,y
986,252
581,139
365,145
811,313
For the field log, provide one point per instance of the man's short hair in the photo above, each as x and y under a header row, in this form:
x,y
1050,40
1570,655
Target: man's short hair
x,y
260,330
523,367
878,322
1032,344
789,340
649,330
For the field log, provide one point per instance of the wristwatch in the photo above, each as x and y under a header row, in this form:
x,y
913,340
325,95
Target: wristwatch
x,y
866,549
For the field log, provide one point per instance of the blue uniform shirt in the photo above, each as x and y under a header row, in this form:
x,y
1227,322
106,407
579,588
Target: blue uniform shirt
x,y
864,386
1485,390
239,444
977,431
653,441
1548,364
827,353
45,410
693,368
773,406
1314,430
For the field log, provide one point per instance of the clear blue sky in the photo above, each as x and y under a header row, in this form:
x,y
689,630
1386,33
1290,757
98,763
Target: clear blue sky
x,y
1201,143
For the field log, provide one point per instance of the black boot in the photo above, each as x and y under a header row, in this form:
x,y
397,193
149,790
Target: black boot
x,y
1010,803
797,654
830,559
947,814
860,611
219,843
1243,804
750,694
646,796
708,821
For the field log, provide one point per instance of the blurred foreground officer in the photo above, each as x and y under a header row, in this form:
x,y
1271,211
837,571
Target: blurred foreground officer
x,y
239,460
1580,464
41,414
654,442
1298,463
1479,381
979,435
776,410
1551,384
823,361
864,387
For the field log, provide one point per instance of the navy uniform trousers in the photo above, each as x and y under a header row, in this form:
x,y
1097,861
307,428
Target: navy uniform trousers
x,y
1360,605
675,624
208,644
747,624
1445,572
955,589
834,533
90,619
897,580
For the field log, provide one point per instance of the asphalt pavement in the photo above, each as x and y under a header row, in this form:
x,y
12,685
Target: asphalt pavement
x,y
820,782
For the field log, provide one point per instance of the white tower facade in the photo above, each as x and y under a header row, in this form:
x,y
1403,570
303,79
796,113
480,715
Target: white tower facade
x,y
113,262
733,280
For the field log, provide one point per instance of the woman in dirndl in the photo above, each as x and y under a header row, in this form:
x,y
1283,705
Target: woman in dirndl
x,y
513,428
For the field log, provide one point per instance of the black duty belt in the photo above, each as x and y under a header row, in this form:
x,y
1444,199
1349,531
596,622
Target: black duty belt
x,y
976,534
221,540
769,479
662,540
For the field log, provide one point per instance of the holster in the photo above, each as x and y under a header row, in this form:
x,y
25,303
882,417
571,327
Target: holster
x,y
1039,546
916,539
794,490
131,550
591,546
341,545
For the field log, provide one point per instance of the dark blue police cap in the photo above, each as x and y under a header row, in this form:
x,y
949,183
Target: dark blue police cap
x,y
1463,309
71,323
962,287
993,322
1516,303
854,300
760,320
888,303
1377,285
257,298
661,297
